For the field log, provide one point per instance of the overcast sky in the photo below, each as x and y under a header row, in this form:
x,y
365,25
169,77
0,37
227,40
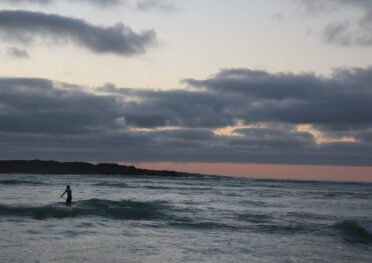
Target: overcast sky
x,y
202,83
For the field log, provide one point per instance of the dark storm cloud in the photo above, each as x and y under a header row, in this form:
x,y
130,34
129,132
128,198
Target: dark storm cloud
x,y
345,32
37,106
132,146
44,119
17,52
28,27
343,100
152,108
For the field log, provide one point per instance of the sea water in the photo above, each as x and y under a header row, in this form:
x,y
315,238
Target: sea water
x,y
183,219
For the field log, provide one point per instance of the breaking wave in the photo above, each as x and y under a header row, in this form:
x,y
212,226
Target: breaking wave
x,y
352,228
124,209
355,231
123,185
204,225
19,182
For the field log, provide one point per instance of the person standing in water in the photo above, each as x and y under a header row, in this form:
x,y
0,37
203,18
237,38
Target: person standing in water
x,y
69,195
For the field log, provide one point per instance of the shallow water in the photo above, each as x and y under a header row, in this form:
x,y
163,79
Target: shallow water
x,y
189,219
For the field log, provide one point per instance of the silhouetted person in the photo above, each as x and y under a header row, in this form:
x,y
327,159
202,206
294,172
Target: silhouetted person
x,y
69,195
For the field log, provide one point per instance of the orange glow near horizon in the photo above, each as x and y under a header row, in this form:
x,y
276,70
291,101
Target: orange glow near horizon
x,y
274,171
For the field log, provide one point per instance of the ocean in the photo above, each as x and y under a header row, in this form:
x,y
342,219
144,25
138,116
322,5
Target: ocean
x,y
183,219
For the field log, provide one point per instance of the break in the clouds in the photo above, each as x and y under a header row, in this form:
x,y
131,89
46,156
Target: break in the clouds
x,y
263,112
29,27
345,31
17,52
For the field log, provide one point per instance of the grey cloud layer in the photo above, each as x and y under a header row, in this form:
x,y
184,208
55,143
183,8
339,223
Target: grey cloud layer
x,y
345,32
37,106
17,52
155,4
143,5
343,101
27,27
43,119
319,5
46,2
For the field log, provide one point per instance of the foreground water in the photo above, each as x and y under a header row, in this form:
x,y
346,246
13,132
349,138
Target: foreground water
x,y
209,219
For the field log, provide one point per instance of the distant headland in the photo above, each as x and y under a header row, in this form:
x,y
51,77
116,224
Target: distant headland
x,y
54,167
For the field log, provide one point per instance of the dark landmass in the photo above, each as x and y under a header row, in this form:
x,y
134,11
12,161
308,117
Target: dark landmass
x,y
54,167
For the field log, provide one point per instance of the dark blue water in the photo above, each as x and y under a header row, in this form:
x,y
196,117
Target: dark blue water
x,y
191,219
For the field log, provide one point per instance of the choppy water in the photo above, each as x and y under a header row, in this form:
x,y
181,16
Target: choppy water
x,y
154,219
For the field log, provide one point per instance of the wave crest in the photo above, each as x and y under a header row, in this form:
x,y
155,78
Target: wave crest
x,y
122,185
19,182
356,231
124,209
